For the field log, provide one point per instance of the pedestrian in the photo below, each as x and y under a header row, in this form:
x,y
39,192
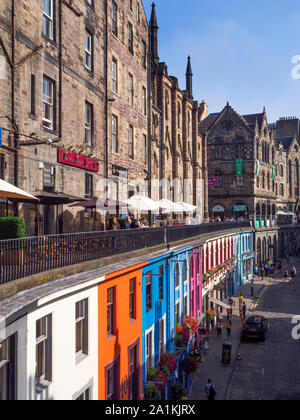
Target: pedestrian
x,y
219,327
228,312
252,287
228,328
210,390
128,223
244,311
114,225
256,271
262,273
293,273
267,267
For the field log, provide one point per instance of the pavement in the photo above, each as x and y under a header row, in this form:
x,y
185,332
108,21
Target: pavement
x,y
213,368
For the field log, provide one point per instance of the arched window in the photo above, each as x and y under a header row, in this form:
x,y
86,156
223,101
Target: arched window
x,y
268,154
167,106
263,180
179,116
264,251
273,156
290,179
185,271
257,149
258,252
257,210
296,178
268,181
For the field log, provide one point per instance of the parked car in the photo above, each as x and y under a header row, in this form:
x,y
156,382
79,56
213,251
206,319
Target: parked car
x,y
255,326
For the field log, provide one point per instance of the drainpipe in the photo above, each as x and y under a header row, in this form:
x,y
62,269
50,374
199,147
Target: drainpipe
x,y
60,71
149,115
106,94
13,103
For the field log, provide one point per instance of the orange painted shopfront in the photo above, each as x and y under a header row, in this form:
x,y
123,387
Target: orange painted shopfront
x,y
120,335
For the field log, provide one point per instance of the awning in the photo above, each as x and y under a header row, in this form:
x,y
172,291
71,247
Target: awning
x,y
54,199
100,203
12,193
220,303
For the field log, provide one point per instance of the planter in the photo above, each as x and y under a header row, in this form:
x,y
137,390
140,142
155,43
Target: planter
x,y
189,365
151,391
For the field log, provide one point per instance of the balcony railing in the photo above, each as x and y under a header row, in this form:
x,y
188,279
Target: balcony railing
x,y
20,258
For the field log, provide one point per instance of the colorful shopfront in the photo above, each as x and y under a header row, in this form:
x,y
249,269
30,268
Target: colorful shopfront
x,y
244,260
167,305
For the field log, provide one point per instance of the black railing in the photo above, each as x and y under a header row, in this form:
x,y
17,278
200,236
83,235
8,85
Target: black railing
x,y
24,257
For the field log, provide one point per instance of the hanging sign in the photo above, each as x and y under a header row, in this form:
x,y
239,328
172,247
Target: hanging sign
x,y
213,181
239,167
257,167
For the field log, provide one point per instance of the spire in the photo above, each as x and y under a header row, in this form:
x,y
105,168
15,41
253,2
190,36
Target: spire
x,y
154,32
189,79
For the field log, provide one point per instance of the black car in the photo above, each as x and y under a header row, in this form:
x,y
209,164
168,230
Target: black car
x,y
255,326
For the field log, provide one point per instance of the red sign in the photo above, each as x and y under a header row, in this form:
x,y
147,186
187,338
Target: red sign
x,y
72,159
213,182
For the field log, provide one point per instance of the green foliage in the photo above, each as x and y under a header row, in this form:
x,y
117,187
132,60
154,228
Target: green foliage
x,y
151,391
12,228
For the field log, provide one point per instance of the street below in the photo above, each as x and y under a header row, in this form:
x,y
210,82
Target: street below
x,y
267,370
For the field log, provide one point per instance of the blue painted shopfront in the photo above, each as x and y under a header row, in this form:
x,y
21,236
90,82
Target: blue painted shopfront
x,y
244,260
166,301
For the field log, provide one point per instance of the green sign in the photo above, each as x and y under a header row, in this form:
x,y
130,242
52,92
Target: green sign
x,y
257,168
239,167
239,208
273,173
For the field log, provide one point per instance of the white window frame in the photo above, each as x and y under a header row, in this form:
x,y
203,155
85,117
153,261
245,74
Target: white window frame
x,y
88,48
151,356
162,320
114,75
48,101
49,19
88,125
83,319
114,134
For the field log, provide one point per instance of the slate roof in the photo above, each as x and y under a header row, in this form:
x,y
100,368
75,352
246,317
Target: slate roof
x,y
286,141
251,119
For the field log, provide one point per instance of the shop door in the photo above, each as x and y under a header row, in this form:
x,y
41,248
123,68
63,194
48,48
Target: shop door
x,y
49,220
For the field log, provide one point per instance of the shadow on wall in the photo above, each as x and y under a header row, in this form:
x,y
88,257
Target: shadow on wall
x,y
38,392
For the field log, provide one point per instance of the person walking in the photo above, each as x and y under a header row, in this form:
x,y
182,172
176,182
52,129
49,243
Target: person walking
x,y
256,271
228,328
286,274
210,390
252,287
244,311
219,327
262,273
293,273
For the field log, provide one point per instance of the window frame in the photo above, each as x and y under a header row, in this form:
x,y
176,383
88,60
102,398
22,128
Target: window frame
x,y
50,19
89,125
49,101
81,318
88,49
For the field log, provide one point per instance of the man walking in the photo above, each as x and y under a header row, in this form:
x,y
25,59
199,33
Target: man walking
x,y
210,390
244,311
219,327
252,287
228,328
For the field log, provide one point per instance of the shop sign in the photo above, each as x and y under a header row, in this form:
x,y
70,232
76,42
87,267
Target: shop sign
x,y
257,167
218,209
239,208
79,161
239,167
213,181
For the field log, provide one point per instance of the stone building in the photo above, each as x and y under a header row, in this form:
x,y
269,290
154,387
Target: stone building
x,y
53,91
127,113
242,160
84,100
178,155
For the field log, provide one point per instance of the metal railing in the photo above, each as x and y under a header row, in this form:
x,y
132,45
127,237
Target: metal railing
x,y
20,258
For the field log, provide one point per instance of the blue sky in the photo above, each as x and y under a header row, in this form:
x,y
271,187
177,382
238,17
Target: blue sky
x,y
241,51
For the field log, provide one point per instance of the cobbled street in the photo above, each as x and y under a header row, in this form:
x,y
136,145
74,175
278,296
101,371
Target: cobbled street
x,y
271,370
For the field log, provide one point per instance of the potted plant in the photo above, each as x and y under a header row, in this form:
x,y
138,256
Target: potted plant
x,y
178,392
167,364
151,391
189,365
156,375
